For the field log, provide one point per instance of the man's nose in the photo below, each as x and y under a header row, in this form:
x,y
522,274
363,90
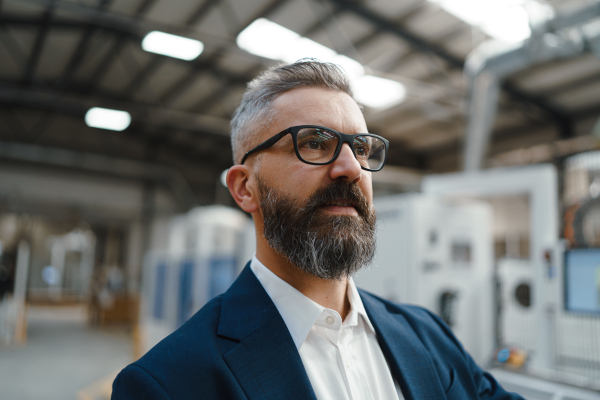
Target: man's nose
x,y
346,166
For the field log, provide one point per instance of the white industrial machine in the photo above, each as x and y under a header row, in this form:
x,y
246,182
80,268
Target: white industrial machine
x,y
549,301
516,323
540,184
205,253
437,254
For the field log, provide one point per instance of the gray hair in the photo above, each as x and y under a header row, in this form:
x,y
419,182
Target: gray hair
x,y
255,111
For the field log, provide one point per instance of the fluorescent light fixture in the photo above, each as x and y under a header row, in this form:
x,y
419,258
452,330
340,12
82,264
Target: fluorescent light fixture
x,y
506,20
378,93
172,45
270,40
266,39
105,118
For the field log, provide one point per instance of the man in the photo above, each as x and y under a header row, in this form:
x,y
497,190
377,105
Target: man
x,y
293,325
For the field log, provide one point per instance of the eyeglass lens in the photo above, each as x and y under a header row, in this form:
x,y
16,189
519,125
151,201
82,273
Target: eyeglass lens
x,y
318,146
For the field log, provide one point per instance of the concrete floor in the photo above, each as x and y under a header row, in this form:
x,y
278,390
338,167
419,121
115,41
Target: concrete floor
x,y
63,358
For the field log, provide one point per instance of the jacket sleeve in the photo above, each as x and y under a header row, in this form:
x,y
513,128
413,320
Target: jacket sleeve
x,y
487,386
134,383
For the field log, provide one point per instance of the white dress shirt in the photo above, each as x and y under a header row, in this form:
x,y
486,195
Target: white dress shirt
x,y
342,359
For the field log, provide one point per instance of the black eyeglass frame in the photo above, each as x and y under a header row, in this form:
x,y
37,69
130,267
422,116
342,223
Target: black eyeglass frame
x,y
344,138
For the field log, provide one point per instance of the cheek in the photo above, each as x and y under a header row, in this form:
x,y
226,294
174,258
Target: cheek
x,y
366,185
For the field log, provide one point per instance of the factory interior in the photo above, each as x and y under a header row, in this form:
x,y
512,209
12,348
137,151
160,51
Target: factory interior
x,y
116,224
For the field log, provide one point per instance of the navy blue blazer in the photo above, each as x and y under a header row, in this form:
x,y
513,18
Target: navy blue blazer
x,y
238,347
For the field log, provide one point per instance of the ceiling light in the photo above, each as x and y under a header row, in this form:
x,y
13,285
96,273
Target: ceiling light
x,y
172,45
378,93
270,40
105,118
506,20
266,39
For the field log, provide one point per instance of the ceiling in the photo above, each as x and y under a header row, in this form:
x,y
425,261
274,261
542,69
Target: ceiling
x,y
58,58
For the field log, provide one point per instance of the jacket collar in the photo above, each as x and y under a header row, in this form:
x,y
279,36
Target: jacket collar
x,y
266,362
408,358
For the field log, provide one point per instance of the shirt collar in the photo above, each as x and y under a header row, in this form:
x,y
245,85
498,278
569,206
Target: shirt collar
x,y
298,311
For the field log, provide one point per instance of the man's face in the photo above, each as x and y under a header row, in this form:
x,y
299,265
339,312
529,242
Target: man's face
x,y
318,216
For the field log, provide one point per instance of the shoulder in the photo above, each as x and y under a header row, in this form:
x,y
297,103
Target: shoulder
x,y
419,317
431,330
195,340
188,359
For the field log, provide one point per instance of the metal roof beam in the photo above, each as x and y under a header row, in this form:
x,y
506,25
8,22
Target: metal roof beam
x,y
106,165
145,114
157,61
38,46
206,156
80,51
425,46
270,8
397,29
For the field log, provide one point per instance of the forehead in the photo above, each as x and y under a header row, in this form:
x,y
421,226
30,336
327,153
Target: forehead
x,y
316,106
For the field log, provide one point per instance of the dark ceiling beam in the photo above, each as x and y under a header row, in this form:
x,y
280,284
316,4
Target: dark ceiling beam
x,y
200,12
311,30
563,120
12,46
211,65
101,164
112,55
103,66
80,51
570,85
143,113
157,61
510,133
138,132
587,112
367,39
439,41
224,90
198,66
9,19
123,35
398,30
38,46
556,113
142,76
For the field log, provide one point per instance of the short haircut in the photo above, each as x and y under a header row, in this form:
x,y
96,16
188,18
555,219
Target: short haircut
x,y
255,112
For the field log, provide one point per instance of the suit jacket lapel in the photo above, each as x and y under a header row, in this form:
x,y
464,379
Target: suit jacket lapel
x,y
409,360
266,362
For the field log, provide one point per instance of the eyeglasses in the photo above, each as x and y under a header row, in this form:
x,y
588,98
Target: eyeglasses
x,y
317,145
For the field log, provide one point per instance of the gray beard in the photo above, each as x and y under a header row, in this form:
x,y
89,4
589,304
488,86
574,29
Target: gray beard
x,y
330,247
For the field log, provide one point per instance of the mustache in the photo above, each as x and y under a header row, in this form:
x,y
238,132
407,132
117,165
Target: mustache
x,y
340,191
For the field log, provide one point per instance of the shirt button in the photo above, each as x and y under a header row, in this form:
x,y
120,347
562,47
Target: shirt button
x,y
330,320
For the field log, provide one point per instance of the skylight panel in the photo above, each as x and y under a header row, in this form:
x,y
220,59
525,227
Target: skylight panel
x,y
505,20
378,93
172,45
270,40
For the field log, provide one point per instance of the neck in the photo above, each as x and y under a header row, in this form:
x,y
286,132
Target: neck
x,y
327,293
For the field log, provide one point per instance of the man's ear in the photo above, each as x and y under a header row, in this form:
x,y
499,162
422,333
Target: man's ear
x,y
238,178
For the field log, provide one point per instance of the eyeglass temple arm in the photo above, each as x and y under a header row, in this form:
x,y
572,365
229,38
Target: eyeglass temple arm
x,y
266,144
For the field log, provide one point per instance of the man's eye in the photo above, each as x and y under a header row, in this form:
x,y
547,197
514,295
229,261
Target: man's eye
x,y
361,151
314,145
